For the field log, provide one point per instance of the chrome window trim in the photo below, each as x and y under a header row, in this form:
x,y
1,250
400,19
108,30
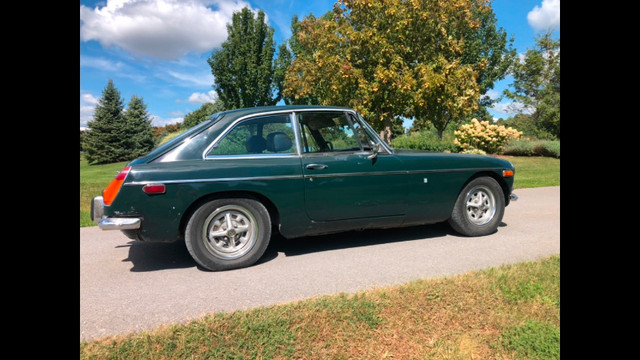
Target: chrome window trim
x,y
297,133
232,126
252,156
294,123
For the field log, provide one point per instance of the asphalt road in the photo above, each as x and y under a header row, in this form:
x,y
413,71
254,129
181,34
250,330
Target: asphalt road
x,y
128,286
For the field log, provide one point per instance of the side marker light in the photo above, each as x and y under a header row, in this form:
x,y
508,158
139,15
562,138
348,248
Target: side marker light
x,y
153,189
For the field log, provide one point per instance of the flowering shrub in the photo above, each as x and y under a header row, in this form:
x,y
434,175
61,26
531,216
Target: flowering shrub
x,y
480,135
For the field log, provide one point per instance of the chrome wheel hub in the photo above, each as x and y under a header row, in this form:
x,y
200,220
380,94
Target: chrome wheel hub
x,y
229,232
480,205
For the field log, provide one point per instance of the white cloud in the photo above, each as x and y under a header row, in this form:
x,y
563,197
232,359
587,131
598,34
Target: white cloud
x,y
88,104
188,79
100,63
166,29
200,98
545,17
508,109
160,122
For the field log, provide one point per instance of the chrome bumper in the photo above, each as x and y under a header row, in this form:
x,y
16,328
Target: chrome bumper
x,y
107,223
513,197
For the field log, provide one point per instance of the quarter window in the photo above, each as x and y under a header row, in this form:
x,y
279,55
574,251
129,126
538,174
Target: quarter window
x,y
262,135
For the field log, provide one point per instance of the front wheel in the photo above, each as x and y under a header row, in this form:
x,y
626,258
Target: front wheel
x,y
479,208
228,233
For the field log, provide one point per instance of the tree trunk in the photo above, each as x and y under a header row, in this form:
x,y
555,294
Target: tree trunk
x,y
385,134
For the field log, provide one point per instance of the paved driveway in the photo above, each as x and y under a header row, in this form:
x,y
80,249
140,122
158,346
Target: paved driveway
x,y
133,286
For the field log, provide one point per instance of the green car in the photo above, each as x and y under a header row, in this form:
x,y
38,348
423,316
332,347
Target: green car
x,y
225,185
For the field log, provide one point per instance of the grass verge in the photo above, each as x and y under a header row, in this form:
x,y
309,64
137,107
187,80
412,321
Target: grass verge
x,y
536,171
507,312
93,179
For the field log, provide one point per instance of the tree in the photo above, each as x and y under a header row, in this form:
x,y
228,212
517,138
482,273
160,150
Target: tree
x,y
537,83
392,58
137,122
202,113
103,139
490,52
115,135
243,68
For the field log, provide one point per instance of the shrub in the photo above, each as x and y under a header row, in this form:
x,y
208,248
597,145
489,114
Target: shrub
x,y
425,140
548,148
474,151
483,136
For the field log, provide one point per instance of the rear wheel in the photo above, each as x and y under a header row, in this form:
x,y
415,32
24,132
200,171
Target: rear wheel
x,y
228,233
479,208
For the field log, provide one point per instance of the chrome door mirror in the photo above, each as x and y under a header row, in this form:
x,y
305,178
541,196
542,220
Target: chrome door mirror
x,y
376,149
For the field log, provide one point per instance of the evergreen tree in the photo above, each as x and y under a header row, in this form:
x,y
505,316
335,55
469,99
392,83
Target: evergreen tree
x,y
115,135
103,140
139,139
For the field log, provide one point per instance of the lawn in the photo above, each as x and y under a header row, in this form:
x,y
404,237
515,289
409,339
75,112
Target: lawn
x,y
93,179
508,312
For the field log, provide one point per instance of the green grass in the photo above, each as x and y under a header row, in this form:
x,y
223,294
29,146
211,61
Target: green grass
x,y
530,172
488,314
536,171
94,179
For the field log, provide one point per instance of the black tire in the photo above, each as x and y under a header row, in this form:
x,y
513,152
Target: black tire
x,y
228,234
479,208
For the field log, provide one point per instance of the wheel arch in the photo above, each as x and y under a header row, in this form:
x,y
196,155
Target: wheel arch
x,y
274,214
500,180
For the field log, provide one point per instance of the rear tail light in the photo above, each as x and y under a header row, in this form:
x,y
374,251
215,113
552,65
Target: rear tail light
x,y
112,190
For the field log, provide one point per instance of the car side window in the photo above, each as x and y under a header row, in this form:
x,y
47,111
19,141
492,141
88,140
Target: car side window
x,y
326,131
263,135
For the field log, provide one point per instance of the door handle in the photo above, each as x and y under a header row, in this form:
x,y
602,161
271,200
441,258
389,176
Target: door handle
x,y
316,166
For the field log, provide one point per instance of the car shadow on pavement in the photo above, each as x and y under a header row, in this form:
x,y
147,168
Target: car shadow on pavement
x,y
152,256
352,239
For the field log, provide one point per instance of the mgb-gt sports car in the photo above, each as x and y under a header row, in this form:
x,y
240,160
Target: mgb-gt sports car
x,y
225,185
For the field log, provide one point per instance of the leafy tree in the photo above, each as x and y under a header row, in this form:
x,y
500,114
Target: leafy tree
x,y
394,58
243,68
490,52
137,122
103,140
202,113
537,83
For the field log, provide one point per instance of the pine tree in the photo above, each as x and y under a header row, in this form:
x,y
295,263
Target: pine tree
x,y
102,142
139,139
115,135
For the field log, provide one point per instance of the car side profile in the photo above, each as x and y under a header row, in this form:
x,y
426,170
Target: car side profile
x,y
224,185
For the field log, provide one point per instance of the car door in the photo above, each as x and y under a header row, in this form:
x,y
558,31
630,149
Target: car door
x,y
342,178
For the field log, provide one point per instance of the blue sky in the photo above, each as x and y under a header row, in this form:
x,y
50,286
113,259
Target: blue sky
x,y
158,49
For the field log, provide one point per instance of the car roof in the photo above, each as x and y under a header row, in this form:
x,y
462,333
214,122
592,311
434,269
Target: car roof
x,y
237,113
